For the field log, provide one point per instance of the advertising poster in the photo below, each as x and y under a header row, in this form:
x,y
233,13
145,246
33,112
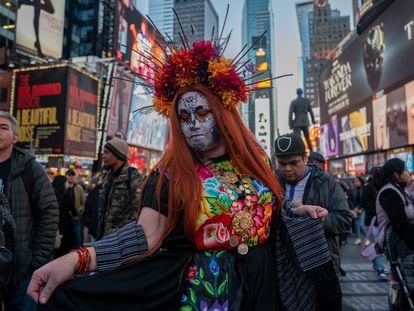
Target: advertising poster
x,y
329,138
148,130
372,62
136,41
81,114
39,27
262,123
355,132
120,105
397,118
379,117
409,95
39,107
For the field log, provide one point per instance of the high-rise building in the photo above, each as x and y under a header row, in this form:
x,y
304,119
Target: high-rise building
x,y
89,28
7,23
303,11
326,30
162,14
256,19
199,14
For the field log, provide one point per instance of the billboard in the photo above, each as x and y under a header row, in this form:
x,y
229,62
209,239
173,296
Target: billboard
x,y
120,105
262,123
81,114
39,107
39,27
56,109
372,62
135,41
147,130
369,86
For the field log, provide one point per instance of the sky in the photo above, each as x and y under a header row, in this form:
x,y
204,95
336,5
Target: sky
x,y
287,44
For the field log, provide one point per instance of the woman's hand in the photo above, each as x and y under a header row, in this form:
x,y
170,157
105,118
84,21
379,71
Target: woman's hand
x,y
313,211
47,278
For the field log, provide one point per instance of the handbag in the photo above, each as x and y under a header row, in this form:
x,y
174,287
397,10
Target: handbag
x,y
369,247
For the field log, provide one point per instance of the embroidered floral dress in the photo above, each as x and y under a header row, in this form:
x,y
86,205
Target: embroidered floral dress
x,y
219,276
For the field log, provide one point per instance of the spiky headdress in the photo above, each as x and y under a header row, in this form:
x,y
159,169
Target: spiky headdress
x,y
199,63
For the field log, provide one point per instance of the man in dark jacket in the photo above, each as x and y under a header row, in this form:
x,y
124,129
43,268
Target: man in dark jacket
x,y
300,107
34,209
310,185
121,189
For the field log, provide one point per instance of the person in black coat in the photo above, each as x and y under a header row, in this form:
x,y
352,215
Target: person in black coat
x,y
66,209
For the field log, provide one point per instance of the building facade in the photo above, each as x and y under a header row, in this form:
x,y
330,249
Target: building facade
x,y
326,29
199,15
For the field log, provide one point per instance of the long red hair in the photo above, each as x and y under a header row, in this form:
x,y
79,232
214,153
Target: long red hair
x,y
178,159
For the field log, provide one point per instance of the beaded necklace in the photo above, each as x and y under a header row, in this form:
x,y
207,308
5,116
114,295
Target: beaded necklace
x,y
242,220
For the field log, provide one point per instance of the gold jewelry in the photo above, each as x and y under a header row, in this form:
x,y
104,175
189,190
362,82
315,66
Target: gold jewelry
x,y
242,220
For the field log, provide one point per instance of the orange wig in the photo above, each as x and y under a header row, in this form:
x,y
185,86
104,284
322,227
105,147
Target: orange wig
x,y
184,184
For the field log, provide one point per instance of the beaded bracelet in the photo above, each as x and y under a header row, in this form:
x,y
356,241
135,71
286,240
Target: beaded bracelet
x,y
84,260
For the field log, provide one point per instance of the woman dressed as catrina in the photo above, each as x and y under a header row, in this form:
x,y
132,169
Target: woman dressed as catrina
x,y
211,234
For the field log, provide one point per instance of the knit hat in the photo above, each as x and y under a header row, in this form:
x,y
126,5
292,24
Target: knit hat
x,y
118,147
289,144
316,156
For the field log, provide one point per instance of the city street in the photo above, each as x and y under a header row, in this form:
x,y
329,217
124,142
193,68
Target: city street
x,y
360,288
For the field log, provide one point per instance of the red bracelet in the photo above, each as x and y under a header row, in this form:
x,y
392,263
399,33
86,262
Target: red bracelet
x,y
84,260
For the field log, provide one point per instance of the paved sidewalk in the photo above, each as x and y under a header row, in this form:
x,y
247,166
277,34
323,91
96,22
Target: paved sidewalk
x,y
360,288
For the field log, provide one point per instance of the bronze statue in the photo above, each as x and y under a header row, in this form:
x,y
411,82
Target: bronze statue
x,y
300,107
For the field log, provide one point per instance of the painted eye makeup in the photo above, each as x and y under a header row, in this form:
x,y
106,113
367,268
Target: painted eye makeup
x,y
184,116
202,113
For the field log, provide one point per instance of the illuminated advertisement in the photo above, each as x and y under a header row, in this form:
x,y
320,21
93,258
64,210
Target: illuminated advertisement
x,y
81,114
369,85
120,105
148,130
56,109
262,123
39,27
135,41
355,131
329,141
39,107
371,62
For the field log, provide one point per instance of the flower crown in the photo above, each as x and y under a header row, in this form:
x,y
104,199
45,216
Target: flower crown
x,y
197,63
201,64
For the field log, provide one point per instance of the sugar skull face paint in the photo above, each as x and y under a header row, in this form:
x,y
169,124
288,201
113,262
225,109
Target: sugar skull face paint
x,y
197,121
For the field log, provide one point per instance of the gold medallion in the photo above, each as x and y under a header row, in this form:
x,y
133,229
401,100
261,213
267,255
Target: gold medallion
x,y
234,241
242,222
242,249
230,177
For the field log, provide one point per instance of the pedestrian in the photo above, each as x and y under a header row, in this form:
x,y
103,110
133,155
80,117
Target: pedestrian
x,y
367,203
300,107
34,209
395,211
358,211
308,184
93,206
120,200
211,208
77,196
66,210
317,159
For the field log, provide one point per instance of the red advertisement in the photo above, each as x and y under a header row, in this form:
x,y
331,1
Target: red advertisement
x,y
39,107
81,114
